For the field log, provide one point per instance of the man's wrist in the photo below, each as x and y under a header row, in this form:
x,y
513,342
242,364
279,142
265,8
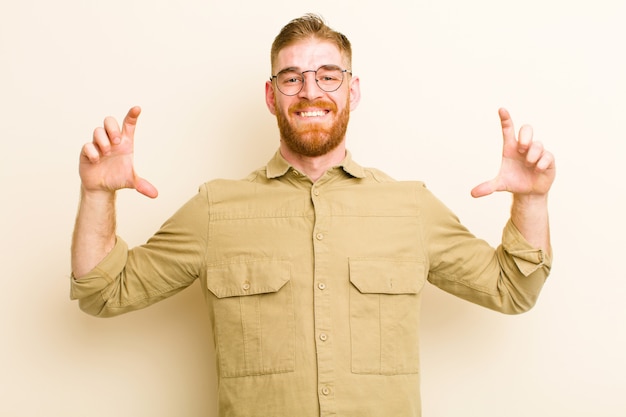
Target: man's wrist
x,y
97,195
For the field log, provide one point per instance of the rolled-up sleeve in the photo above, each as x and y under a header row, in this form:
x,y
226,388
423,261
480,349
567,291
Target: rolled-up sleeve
x,y
527,258
90,288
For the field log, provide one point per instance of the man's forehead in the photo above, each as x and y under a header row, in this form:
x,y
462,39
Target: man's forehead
x,y
308,53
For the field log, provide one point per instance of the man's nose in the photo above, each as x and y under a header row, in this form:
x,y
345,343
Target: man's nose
x,y
310,89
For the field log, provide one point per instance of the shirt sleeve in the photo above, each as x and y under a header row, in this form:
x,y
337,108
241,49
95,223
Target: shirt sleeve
x,y
127,280
507,278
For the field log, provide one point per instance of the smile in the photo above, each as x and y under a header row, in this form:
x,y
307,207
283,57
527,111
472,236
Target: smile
x,y
317,113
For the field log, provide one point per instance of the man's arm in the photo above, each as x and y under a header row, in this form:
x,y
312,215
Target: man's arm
x,y
94,231
106,165
530,215
527,171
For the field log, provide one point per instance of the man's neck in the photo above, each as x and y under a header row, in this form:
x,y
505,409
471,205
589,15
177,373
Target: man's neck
x,y
314,166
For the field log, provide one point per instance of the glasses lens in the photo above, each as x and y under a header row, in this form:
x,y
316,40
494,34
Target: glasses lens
x,y
289,82
329,78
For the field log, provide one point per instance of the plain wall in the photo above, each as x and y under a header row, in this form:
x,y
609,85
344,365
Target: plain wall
x,y
433,74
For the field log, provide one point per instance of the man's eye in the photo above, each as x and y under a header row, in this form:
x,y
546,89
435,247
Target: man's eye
x,y
287,79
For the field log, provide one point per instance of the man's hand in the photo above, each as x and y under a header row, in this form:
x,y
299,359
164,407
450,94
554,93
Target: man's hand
x,y
527,169
106,163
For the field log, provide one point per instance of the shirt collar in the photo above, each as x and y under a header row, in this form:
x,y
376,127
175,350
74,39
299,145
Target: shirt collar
x,y
278,166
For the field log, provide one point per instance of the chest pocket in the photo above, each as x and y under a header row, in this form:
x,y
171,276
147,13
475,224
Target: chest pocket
x,y
384,315
254,317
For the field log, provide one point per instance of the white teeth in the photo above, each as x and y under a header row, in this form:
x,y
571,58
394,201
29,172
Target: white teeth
x,y
319,113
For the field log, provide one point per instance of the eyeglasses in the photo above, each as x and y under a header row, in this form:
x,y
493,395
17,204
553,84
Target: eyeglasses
x,y
328,78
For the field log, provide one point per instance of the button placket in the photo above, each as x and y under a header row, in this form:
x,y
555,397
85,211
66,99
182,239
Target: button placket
x,y
322,307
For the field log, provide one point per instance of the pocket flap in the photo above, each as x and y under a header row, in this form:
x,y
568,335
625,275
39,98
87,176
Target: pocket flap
x,y
237,279
387,276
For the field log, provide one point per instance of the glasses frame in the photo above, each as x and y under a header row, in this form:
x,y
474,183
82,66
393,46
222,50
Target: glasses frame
x,y
343,72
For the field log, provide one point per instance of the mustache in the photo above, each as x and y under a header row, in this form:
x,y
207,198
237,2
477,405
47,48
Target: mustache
x,y
307,105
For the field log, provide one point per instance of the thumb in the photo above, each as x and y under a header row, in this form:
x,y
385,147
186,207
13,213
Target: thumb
x,y
484,189
146,188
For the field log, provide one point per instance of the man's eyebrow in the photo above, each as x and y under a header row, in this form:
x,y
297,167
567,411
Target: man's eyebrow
x,y
300,70
296,69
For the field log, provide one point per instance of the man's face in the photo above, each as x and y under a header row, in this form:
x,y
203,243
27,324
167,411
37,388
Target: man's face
x,y
312,122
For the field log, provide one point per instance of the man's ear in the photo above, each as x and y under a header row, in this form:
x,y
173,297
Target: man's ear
x,y
270,97
355,92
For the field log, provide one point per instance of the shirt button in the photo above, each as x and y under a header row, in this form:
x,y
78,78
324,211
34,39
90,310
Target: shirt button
x,y
316,192
325,390
319,236
246,286
323,337
321,286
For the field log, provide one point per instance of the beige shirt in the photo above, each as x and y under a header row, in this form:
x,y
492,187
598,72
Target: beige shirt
x,y
314,289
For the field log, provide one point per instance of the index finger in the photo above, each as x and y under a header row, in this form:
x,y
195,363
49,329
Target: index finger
x,y
508,129
130,122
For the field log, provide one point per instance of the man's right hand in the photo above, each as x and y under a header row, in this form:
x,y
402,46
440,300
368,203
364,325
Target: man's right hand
x,y
106,163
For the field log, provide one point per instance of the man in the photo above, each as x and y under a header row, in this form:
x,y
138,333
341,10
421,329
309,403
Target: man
x,y
312,267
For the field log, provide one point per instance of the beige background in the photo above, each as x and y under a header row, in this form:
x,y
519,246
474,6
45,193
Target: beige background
x,y
433,74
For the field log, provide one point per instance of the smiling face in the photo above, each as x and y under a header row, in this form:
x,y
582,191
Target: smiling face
x,y
313,122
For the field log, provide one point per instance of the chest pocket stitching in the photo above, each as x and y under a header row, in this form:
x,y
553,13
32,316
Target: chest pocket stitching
x,y
229,280
386,276
254,316
384,314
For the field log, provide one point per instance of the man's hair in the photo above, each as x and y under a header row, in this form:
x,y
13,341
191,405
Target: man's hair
x,y
306,27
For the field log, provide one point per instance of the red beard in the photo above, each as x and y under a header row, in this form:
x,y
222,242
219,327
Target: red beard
x,y
313,139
